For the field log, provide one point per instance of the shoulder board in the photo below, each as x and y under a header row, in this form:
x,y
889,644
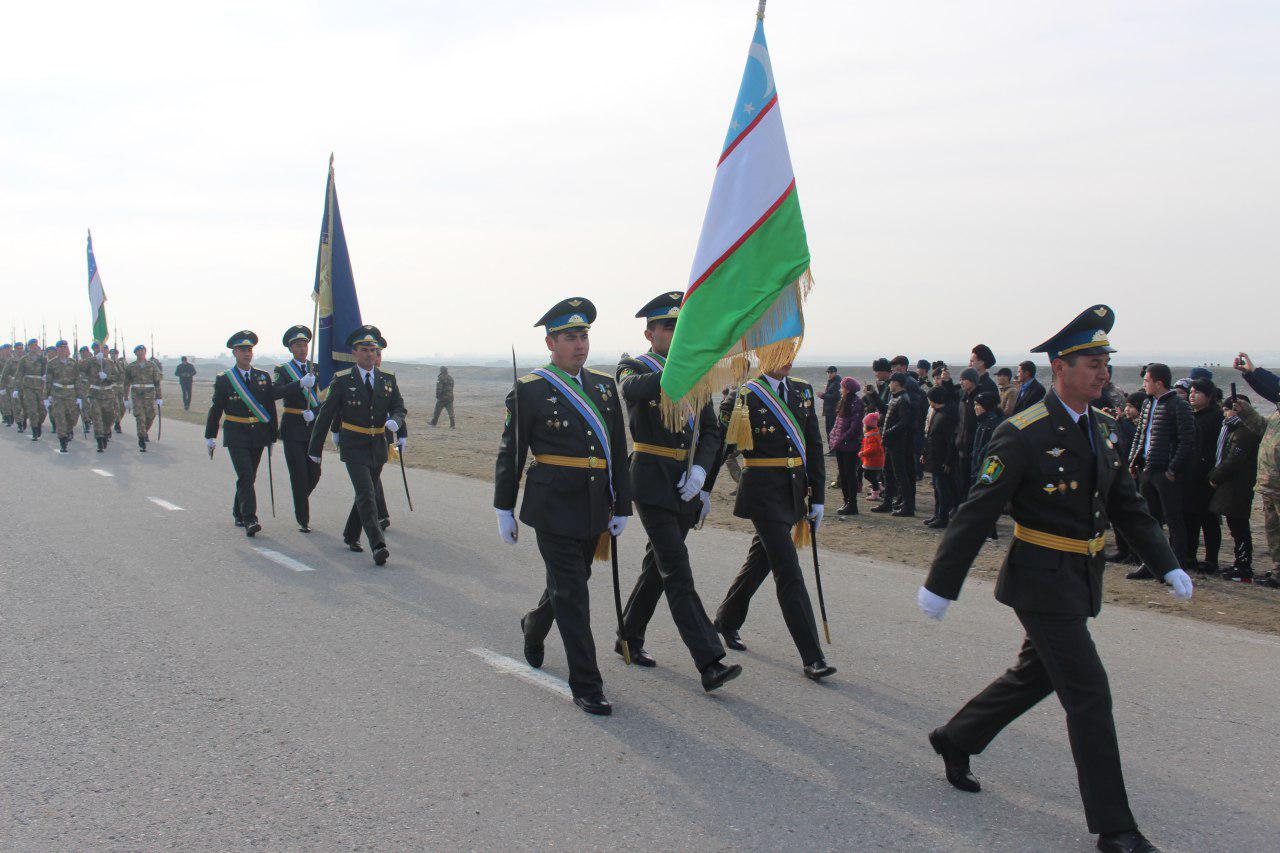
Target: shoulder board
x,y
386,373
1103,416
529,377
1027,417
346,371
608,376
798,381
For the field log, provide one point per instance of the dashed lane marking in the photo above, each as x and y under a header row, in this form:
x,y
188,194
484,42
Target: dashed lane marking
x,y
284,560
101,473
524,672
164,504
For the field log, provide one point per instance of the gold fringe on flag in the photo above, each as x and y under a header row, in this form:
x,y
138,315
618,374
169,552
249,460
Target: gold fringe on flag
x,y
746,358
602,547
739,430
800,534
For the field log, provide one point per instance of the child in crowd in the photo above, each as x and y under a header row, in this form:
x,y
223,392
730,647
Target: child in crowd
x,y
872,453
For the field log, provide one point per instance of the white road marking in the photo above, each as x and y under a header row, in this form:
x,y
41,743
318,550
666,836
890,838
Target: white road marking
x,y
102,473
284,560
521,670
163,504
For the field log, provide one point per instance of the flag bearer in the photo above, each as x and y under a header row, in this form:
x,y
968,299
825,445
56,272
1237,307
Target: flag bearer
x,y
103,376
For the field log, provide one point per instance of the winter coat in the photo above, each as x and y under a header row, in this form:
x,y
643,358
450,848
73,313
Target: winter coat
x,y
900,423
872,454
1173,436
1029,396
940,441
1237,472
831,394
1208,424
846,435
984,426
967,423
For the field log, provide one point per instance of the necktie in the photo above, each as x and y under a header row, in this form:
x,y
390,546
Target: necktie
x,y
577,380
782,391
1084,428
368,382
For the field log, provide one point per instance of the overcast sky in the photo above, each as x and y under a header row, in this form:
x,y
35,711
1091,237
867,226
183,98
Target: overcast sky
x,y
967,171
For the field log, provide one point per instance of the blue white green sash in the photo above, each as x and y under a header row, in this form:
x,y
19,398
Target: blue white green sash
x,y
782,414
308,393
585,406
237,385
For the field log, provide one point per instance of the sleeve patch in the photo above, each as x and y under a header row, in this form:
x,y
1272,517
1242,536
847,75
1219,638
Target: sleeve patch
x,y
992,468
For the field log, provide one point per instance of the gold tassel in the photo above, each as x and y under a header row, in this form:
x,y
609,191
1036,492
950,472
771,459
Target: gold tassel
x,y
800,534
602,547
739,430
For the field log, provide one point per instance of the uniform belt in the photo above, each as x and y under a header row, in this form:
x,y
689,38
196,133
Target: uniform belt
x,y
34,375
570,461
102,387
60,385
677,453
236,419
1088,547
362,430
773,462
289,411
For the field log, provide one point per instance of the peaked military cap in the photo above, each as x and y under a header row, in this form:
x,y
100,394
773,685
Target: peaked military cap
x,y
366,336
243,338
297,333
574,313
664,307
1087,334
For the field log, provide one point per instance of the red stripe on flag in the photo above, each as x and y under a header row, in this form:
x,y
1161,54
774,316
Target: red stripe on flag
x,y
773,102
790,189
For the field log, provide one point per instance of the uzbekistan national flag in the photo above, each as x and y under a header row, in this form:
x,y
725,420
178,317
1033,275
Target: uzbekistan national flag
x,y
337,308
97,298
751,270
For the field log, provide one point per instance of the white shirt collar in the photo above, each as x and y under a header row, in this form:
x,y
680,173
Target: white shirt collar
x,y
365,374
774,383
1075,416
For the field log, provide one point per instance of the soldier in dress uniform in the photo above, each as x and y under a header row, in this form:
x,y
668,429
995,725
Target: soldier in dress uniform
x,y
244,404
102,377
364,403
771,420
1055,466
31,382
144,395
570,418
294,385
6,391
62,394
669,499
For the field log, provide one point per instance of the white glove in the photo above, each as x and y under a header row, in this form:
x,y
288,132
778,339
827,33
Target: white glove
x,y
160,402
308,416
1181,583
79,403
102,374
691,482
315,459
335,439
706,506
815,514
211,443
128,404
933,606
308,381
508,530
391,425
617,524
48,402
401,442
14,395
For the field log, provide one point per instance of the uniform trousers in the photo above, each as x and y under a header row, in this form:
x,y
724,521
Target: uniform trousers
x,y
773,551
104,414
443,406
65,414
367,480
32,407
1057,656
666,568
244,507
566,602
303,476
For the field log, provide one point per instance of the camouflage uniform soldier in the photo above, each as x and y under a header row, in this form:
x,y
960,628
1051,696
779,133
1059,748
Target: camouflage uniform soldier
x,y
6,401
82,389
12,382
102,379
62,394
120,386
444,397
142,383
31,382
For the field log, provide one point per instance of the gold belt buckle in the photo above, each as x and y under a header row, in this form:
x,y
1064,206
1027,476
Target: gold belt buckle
x,y
591,461
791,462
1096,545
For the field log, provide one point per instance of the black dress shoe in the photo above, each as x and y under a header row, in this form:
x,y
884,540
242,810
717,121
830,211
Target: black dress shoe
x,y
251,528
818,670
903,513
533,652
594,703
955,762
380,555
731,639
884,507
716,674
639,656
353,546
239,523
384,523
930,520
1142,574
1131,841
304,528
938,524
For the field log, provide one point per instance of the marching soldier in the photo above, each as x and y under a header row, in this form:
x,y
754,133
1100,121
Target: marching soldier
x,y
121,391
294,385
570,418
1055,466
669,500
771,420
364,403
83,357
102,378
12,376
142,385
62,394
6,398
245,405
31,382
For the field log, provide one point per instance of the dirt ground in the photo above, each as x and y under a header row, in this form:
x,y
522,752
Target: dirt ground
x,y
469,450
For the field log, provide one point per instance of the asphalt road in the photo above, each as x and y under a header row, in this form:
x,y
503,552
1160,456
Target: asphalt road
x,y
166,682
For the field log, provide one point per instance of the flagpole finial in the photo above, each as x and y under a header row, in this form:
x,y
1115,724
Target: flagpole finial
x,y
330,159
760,10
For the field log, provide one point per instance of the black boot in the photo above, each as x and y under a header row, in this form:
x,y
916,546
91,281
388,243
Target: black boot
x,y
142,445
118,427
62,444
102,443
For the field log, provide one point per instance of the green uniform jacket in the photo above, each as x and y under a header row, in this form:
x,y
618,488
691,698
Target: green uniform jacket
x,y
348,402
